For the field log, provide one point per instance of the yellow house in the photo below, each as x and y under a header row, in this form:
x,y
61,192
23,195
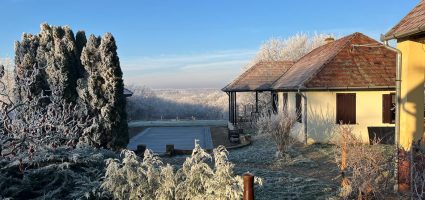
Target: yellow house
x,y
349,81
410,36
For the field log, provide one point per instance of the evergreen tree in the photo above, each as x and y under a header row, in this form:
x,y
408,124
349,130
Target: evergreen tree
x,y
76,71
26,64
103,93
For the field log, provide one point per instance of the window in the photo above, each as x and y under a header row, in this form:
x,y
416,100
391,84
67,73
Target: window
x,y
298,107
275,102
346,108
285,102
388,108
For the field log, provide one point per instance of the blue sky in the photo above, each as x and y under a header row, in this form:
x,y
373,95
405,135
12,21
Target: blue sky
x,y
195,43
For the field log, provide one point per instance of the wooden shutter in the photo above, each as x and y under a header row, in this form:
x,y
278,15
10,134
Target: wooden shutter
x,y
351,108
346,108
298,107
340,115
386,108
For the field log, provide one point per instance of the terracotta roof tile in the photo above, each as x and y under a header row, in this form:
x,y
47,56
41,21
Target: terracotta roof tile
x,y
259,77
342,64
413,23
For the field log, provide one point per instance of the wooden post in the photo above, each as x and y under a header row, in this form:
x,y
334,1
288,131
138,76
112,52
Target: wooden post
x,y
236,109
169,149
141,148
256,101
248,186
344,180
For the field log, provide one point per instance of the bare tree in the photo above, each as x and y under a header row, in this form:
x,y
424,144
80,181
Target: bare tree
x,y
289,49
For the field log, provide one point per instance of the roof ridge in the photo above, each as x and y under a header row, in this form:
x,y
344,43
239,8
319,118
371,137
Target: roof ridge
x,y
349,40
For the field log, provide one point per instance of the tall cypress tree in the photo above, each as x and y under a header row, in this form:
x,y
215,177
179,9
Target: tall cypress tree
x,y
77,71
103,93
111,73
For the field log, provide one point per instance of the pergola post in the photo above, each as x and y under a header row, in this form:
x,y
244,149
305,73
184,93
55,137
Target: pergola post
x,y
235,112
256,101
230,106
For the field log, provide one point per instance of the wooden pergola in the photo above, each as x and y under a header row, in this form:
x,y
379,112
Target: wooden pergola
x,y
259,78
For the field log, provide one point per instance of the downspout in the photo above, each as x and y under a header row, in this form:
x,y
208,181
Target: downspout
x,y
398,104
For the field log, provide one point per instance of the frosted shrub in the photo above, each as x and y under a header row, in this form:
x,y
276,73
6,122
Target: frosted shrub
x,y
278,126
132,178
418,175
369,169
61,173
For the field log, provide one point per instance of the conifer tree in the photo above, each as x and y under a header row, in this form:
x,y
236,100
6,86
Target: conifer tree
x,y
103,93
71,69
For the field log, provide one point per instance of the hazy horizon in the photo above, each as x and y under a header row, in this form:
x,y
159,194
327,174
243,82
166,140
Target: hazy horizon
x,y
193,44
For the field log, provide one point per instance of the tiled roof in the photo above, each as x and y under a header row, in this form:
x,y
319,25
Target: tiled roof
x,y
259,77
412,24
342,64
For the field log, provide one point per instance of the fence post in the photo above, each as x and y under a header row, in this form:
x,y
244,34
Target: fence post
x,y
248,186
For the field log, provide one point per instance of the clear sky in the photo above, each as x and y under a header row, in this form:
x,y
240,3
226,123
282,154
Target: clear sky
x,y
195,43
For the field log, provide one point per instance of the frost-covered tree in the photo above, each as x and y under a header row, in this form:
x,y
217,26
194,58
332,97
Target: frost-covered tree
x,y
7,78
28,126
102,91
25,62
53,61
289,49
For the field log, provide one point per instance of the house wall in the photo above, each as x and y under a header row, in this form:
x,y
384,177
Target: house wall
x,y
412,92
321,114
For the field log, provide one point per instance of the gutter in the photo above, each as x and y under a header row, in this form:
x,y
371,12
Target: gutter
x,y
398,102
347,88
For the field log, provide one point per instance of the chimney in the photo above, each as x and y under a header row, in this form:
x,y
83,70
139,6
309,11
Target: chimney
x,y
329,40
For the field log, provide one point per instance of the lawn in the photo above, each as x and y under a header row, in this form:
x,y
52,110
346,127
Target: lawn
x,y
310,174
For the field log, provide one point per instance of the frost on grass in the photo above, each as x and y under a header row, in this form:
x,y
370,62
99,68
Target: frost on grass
x,y
202,176
278,181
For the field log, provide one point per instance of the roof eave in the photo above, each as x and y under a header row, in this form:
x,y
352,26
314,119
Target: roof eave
x,y
246,90
347,88
402,35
